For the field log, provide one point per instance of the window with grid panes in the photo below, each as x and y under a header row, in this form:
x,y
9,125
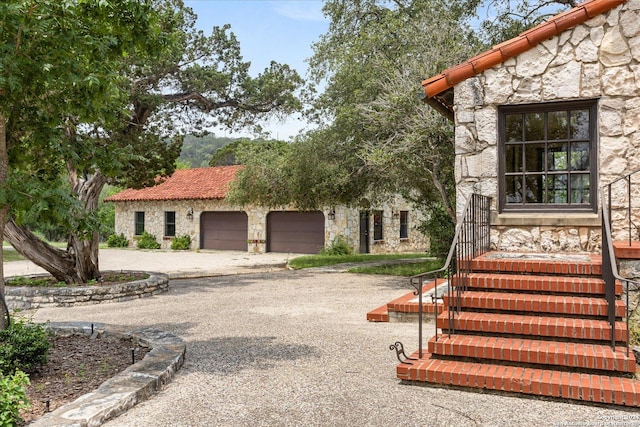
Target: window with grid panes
x,y
548,156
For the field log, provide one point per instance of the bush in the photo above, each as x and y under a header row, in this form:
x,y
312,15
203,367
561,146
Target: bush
x,y
13,397
440,229
339,246
182,243
23,345
117,241
148,241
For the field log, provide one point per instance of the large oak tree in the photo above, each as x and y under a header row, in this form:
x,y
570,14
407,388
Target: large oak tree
x,y
174,79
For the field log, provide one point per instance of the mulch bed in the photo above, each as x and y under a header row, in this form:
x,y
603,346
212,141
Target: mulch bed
x,y
76,365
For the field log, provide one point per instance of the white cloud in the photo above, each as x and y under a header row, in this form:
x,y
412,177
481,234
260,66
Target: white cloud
x,y
301,10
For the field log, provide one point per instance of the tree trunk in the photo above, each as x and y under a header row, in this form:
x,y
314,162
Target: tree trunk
x,y
57,262
77,264
85,251
4,173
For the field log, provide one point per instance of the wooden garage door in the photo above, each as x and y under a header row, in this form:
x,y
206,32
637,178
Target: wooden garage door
x,y
296,232
223,230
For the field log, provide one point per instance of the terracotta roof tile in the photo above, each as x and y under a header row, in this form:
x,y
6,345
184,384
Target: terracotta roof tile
x,y
185,184
438,84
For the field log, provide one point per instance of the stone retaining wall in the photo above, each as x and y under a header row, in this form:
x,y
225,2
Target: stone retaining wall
x,y
26,297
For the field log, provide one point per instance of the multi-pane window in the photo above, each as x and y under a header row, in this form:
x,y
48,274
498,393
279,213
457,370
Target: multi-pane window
x,y
404,224
377,225
548,156
139,223
169,224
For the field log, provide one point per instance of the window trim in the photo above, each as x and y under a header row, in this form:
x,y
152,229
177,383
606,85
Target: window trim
x,y
378,229
138,220
592,105
405,224
167,224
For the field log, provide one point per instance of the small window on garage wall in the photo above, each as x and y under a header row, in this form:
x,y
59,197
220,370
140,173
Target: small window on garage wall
x,y
139,223
377,225
404,224
169,223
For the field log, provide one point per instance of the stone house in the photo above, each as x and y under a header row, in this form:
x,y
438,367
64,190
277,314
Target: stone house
x,y
192,202
543,120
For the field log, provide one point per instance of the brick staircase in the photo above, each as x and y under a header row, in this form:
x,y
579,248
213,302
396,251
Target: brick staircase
x,y
533,324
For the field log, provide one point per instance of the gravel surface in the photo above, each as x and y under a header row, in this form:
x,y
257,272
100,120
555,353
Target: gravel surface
x,y
293,348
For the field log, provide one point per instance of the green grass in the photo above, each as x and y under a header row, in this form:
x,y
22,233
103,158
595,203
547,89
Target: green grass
x,y
409,269
9,255
309,261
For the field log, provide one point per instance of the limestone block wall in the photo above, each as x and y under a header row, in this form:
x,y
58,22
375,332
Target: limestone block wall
x,y
599,59
343,221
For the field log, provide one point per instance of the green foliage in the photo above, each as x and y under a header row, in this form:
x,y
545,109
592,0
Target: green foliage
x,y
404,269
339,246
309,261
181,243
13,397
23,345
198,150
441,229
147,241
117,241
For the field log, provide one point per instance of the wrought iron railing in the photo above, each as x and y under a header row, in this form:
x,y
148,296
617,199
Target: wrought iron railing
x,y
624,187
471,239
610,273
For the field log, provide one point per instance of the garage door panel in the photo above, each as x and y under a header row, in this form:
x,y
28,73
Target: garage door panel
x,y
298,232
224,230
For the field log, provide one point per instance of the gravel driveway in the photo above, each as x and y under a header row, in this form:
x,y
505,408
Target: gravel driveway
x,y
293,348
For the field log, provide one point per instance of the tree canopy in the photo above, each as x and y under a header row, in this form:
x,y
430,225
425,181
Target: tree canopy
x,y
101,91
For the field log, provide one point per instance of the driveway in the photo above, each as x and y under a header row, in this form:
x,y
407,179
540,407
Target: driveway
x,y
293,348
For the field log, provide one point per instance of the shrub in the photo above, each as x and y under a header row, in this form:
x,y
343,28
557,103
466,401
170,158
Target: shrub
x,y
440,229
13,397
117,241
23,345
148,241
338,246
182,243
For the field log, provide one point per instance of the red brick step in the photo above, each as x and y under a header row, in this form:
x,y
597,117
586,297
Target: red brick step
x,y
531,283
536,303
583,265
535,352
515,324
527,380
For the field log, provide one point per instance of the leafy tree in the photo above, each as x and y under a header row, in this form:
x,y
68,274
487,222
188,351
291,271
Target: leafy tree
x,y
239,151
171,78
198,150
57,64
375,136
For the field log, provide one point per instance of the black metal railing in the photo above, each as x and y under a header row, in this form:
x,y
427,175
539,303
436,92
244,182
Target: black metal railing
x,y
623,187
471,239
610,273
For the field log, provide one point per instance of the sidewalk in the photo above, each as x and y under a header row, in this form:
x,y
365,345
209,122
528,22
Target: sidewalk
x,y
177,264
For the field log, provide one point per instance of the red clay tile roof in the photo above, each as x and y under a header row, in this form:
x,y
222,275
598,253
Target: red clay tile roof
x,y
185,184
450,77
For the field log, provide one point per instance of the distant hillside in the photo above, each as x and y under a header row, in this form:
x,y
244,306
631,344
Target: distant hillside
x,y
197,151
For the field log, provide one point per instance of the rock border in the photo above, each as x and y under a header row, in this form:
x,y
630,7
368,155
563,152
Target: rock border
x,y
135,384
28,297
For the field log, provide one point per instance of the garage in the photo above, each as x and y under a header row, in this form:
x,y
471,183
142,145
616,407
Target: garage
x,y
223,230
296,232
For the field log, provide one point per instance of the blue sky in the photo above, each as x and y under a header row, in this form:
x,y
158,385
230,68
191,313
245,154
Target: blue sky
x,y
279,30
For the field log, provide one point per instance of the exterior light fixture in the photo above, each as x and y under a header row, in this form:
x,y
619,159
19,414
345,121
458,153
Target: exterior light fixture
x,y
190,214
332,214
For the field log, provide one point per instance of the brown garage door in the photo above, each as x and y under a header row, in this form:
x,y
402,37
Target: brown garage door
x,y
223,230
297,232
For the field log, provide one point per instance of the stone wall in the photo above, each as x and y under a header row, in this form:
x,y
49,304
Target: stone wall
x,y
339,221
599,59
32,297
